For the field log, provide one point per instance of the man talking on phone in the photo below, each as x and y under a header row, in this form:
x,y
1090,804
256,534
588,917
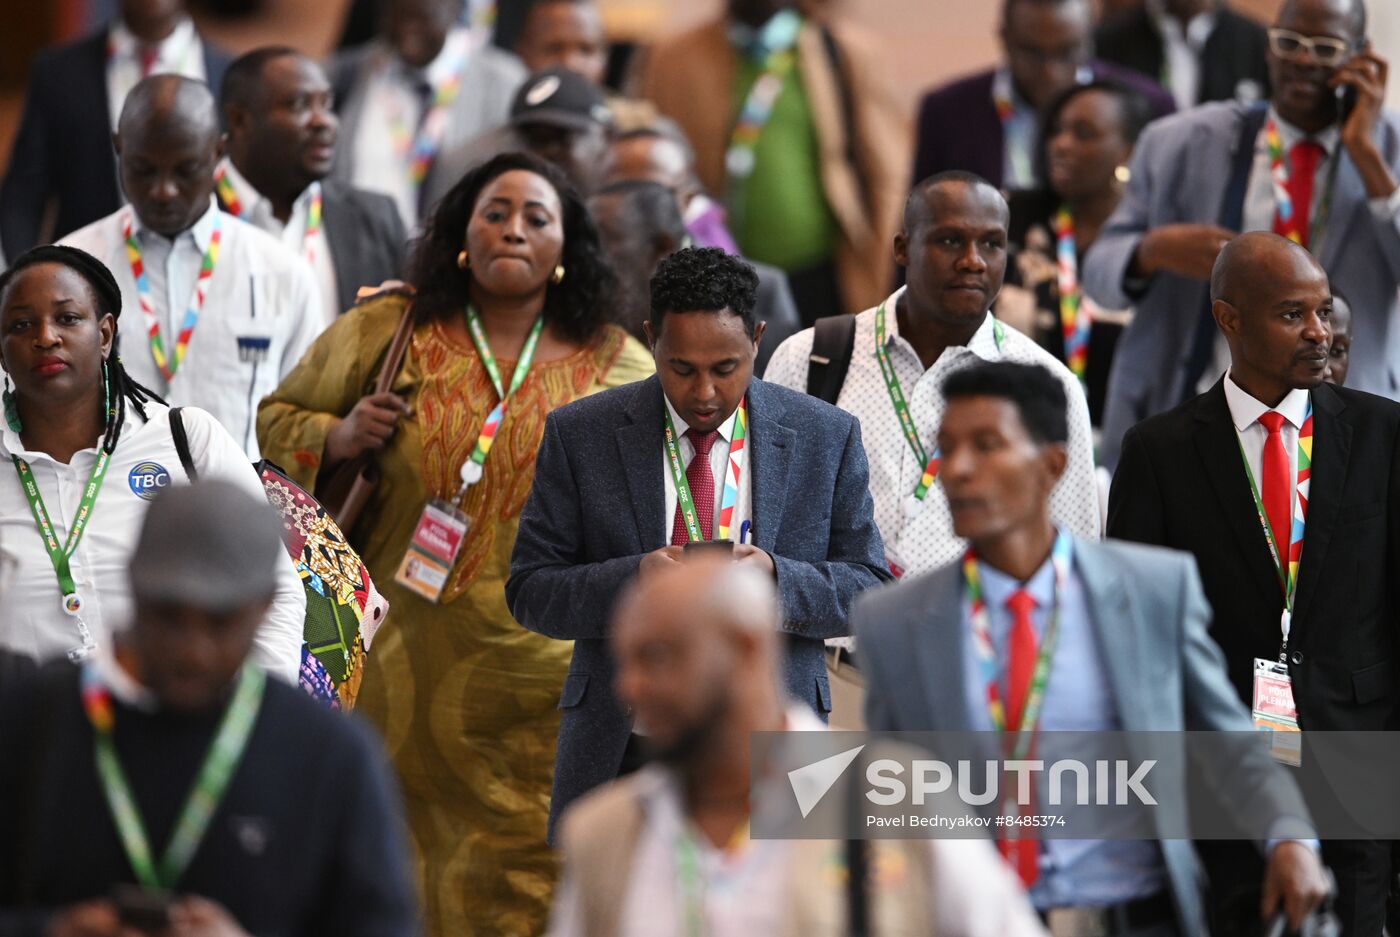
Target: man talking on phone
x,y
701,457
1317,163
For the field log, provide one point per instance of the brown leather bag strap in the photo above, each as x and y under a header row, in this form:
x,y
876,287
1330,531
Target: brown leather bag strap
x,y
398,348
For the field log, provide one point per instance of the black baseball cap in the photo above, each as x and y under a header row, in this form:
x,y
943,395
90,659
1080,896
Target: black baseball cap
x,y
562,98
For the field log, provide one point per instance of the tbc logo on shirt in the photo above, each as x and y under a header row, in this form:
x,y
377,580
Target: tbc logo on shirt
x,y
148,478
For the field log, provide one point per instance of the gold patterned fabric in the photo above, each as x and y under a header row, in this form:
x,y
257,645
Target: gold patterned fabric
x,y
465,697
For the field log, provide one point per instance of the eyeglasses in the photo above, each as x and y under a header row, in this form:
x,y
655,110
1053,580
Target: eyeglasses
x,y
1324,50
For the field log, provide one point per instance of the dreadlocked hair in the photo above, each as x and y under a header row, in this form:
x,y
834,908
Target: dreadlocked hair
x,y
120,390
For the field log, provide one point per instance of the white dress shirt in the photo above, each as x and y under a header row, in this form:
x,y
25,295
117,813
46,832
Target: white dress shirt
x,y
1245,412
257,211
1181,51
926,540
34,623
259,291
971,892
180,53
393,100
719,465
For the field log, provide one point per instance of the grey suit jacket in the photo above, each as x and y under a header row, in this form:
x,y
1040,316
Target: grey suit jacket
x,y
1164,671
489,81
598,505
366,239
1180,172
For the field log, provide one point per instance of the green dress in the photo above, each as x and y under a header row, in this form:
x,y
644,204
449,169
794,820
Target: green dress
x,y
465,697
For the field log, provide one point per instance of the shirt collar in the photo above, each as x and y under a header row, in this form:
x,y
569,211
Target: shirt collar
x,y
1004,89
1327,138
726,428
125,44
202,230
780,32
998,586
983,343
1245,410
1196,31
447,63
125,688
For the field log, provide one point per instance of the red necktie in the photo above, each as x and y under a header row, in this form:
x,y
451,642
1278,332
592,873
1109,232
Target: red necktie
x,y
148,56
1023,853
702,488
1302,173
1278,503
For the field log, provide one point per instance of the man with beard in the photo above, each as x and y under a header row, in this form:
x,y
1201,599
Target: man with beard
x,y
282,134
698,657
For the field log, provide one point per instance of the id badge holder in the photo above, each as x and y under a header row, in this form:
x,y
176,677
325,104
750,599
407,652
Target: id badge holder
x,y
433,550
896,563
1275,711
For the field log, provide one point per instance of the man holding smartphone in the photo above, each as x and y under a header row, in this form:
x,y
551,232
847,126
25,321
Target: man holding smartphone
x,y
628,480
1318,163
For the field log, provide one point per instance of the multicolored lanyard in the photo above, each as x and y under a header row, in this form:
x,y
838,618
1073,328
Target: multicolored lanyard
x,y
60,555
1288,571
148,309
730,496
1075,308
780,37
1019,744
473,468
901,407
210,785
422,147
228,196
692,878
1283,201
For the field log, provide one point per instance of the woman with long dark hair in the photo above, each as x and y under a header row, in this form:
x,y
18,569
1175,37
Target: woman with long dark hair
x,y
509,303
85,449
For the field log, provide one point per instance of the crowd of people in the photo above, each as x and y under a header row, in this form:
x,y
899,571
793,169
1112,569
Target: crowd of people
x,y
726,399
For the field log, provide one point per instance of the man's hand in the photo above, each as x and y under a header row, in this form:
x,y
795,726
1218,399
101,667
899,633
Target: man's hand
x,y
199,917
90,919
1188,250
366,428
1365,73
659,559
751,555
1294,878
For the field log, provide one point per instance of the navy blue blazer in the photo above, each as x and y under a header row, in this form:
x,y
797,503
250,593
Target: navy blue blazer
x,y
63,150
598,504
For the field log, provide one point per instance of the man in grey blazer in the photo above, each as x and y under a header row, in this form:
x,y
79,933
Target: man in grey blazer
x,y
610,494
411,98
1120,613
1200,176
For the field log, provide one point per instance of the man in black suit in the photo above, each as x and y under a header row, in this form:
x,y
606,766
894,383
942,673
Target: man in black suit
x,y
282,133
1200,50
610,494
63,162
1186,479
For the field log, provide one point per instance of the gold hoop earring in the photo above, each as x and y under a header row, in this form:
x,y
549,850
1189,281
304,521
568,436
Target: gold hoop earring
x,y
557,276
463,260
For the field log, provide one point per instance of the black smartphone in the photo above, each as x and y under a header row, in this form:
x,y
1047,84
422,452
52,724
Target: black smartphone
x,y
710,546
142,909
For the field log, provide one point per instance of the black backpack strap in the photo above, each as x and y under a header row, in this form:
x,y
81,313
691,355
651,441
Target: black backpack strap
x,y
833,342
182,443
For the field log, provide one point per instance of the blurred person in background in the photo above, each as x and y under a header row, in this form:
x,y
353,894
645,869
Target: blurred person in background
x,y
420,91
1339,353
282,135
63,161
989,123
1089,134
640,223
659,152
508,322
798,132
167,787
698,662
1199,50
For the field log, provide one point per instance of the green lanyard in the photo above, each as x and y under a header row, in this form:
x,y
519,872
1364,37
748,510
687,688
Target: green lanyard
x,y
472,468
901,407
60,554
210,785
692,883
683,498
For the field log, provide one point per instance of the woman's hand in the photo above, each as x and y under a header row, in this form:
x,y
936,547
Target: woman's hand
x,y
366,428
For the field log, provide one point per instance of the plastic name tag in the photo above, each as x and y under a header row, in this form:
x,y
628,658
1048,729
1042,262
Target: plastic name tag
x,y
1275,711
436,542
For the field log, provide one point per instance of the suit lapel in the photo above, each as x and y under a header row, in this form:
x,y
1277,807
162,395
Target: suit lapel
x,y
1119,629
770,453
937,644
1330,458
1347,196
341,236
1219,449
639,453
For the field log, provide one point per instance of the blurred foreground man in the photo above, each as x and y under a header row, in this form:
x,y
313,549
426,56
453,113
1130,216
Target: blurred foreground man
x,y
164,787
666,852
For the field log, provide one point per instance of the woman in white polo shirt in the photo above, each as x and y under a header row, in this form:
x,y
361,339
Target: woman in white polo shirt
x,y
83,450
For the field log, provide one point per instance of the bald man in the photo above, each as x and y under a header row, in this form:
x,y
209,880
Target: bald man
x,y
1187,479
228,311
698,662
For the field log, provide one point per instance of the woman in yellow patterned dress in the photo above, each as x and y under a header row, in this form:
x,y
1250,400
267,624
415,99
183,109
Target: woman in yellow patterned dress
x,y
465,697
